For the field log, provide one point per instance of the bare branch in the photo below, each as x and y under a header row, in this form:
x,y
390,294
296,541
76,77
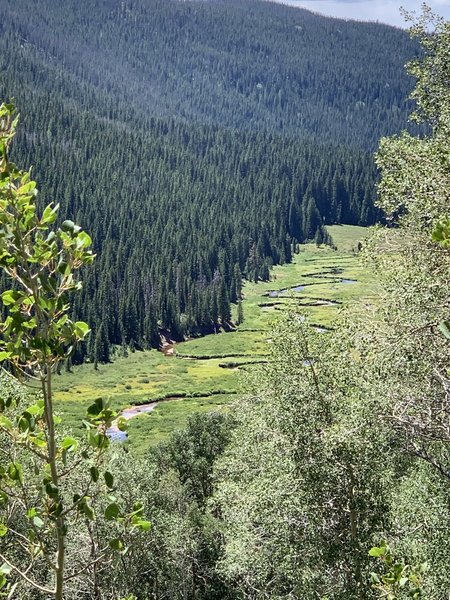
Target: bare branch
x,y
24,575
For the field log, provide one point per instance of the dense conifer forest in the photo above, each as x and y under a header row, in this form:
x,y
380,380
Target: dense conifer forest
x,y
240,64
198,141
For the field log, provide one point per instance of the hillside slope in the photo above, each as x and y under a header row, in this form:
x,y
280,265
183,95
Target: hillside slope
x,y
197,141
233,63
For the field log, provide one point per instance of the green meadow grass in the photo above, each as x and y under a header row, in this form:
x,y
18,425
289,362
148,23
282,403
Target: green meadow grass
x,y
195,371
148,430
221,345
347,237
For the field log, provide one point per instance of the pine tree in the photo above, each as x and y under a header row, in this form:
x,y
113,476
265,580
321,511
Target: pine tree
x,y
240,313
101,346
224,303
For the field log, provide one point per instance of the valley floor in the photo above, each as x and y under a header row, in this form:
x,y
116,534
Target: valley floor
x,y
205,373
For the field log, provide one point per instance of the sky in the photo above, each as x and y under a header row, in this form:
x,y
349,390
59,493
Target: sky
x,y
385,11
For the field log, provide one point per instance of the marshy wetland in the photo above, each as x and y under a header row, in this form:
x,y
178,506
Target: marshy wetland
x,y
158,390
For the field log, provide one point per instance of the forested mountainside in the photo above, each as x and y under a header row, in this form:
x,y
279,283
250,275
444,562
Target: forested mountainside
x,y
198,142
237,63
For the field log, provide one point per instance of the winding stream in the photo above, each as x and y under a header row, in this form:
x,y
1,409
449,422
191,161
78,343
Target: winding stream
x,y
114,432
168,347
301,287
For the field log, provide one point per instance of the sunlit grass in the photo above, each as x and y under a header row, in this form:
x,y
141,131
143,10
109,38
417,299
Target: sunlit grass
x,y
148,430
195,368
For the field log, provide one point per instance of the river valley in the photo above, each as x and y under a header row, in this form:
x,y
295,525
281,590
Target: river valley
x,y
157,390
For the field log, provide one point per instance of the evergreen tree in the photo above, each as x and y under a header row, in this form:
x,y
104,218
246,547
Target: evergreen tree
x,y
101,345
240,313
224,303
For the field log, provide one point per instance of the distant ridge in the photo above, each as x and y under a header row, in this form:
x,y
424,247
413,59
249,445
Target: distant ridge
x,y
244,64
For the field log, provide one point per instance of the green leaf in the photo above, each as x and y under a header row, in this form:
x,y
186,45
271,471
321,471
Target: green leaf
x,y
63,268
3,530
15,472
69,443
116,544
5,569
38,522
83,240
10,297
93,438
49,215
51,490
112,512
138,508
38,441
109,479
444,328
122,424
95,409
142,525
51,237
441,233
377,552
68,226
81,329
5,355
7,108
28,188
374,578
5,423
85,508
25,422
95,474
36,409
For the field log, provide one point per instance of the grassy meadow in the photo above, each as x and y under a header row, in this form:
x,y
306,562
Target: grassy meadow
x,y
203,373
